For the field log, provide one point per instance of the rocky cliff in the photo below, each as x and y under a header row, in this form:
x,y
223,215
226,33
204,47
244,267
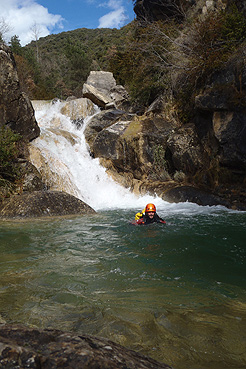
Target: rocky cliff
x,y
202,161
16,115
16,110
199,156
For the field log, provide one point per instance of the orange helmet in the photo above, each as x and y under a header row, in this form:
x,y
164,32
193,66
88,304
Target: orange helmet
x,y
150,208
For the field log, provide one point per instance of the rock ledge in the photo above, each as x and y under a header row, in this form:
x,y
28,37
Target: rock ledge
x,y
42,203
22,347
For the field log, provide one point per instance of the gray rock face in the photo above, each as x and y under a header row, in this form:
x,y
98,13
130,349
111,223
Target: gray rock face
x,y
221,112
230,131
101,121
42,204
188,154
128,144
16,110
22,347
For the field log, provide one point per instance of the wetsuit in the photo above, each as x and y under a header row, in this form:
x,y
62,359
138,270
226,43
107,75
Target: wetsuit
x,y
147,220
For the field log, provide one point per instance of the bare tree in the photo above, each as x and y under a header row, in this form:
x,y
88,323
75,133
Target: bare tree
x,y
36,33
4,28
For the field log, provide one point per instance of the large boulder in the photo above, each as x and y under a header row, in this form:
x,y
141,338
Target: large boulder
x,y
16,110
102,90
193,194
22,347
98,97
42,204
128,144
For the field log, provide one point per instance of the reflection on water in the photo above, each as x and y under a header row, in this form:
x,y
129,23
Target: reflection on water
x,y
175,292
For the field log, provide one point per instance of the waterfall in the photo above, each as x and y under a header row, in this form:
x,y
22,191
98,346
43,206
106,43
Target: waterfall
x,y
61,155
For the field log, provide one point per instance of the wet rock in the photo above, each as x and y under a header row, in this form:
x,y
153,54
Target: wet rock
x,y
22,347
56,176
195,195
42,203
101,121
32,179
78,109
16,110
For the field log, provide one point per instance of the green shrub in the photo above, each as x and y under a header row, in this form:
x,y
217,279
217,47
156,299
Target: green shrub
x,y
159,163
233,28
209,45
8,154
142,66
159,170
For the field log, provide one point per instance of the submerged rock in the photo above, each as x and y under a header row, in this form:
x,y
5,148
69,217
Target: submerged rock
x,y
22,347
43,203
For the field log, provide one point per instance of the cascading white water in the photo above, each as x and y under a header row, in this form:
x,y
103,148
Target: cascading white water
x,y
61,154
68,166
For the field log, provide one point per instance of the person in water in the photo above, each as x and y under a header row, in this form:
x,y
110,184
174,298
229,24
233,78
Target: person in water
x,y
148,216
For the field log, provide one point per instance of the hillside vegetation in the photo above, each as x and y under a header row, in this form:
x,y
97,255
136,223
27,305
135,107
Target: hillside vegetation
x,y
59,64
149,58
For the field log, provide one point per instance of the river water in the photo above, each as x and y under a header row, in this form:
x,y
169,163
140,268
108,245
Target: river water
x,y
175,292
